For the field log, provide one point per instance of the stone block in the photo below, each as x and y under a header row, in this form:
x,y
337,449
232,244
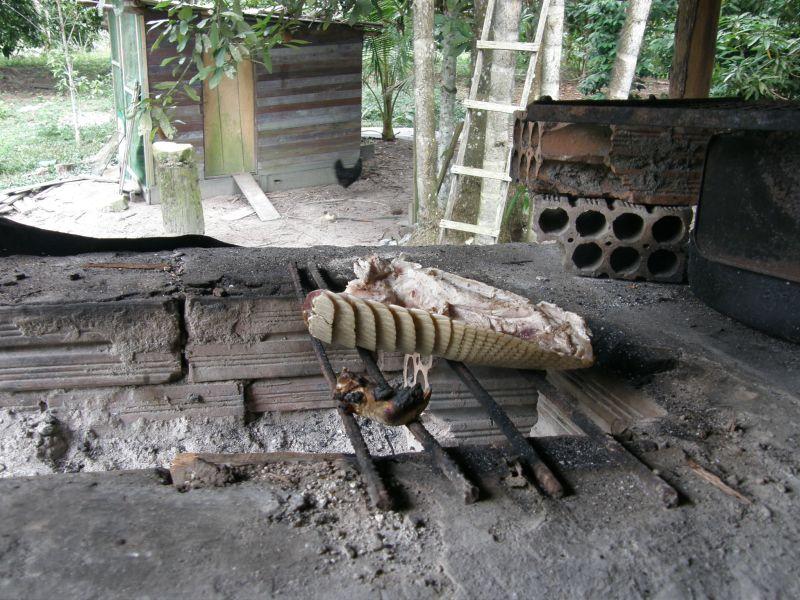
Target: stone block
x,y
89,345
257,338
641,165
288,394
611,238
164,402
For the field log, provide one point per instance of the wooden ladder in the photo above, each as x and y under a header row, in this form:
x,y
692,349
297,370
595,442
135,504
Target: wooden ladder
x,y
472,103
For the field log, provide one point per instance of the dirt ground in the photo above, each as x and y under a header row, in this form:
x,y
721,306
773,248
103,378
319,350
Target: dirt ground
x,y
372,211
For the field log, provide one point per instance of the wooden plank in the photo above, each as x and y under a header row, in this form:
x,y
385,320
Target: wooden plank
x,y
247,117
695,48
492,106
468,227
213,153
256,197
482,173
516,46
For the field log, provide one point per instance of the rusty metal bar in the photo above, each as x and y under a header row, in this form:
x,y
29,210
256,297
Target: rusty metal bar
x,y
429,443
541,472
376,489
657,487
447,465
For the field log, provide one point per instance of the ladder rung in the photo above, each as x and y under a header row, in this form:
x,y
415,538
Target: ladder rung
x,y
482,173
492,106
468,227
520,46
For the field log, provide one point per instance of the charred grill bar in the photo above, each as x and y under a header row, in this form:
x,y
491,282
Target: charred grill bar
x,y
376,489
447,465
654,484
539,472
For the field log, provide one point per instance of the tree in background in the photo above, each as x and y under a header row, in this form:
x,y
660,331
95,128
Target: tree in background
x,y
388,58
19,24
548,68
628,46
453,26
424,115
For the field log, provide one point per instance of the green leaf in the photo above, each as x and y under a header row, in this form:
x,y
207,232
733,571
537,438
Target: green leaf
x,y
216,78
168,60
191,93
185,13
267,60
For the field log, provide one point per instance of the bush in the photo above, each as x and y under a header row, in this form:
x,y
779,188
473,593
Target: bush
x,y
758,50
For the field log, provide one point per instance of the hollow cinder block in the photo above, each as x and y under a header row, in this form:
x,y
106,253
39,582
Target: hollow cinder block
x,y
612,238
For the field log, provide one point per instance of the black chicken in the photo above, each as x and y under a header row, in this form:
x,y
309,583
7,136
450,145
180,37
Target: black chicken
x,y
347,176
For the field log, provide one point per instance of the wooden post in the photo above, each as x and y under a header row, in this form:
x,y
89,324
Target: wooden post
x,y
695,48
179,188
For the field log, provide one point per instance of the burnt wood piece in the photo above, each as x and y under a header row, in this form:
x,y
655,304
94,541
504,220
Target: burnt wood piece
x,y
536,470
695,48
187,465
657,487
376,489
717,113
449,468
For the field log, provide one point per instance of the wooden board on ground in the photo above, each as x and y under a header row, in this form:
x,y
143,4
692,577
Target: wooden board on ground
x,y
256,197
187,466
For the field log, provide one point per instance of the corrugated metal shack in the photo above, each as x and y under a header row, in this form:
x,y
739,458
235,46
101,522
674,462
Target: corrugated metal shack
x,y
286,127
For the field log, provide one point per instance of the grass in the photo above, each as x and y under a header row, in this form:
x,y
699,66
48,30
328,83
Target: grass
x,y
36,123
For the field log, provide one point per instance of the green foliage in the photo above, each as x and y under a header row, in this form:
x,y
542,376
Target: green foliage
x,y
592,29
19,24
388,59
758,50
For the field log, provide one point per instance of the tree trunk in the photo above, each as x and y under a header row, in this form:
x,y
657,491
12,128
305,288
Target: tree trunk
x,y
73,92
628,46
424,113
548,73
447,105
478,15
179,188
498,125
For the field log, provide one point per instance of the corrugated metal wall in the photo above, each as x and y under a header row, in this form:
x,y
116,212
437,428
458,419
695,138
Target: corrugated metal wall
x,y
308,109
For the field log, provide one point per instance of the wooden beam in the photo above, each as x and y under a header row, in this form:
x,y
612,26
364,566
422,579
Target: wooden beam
x,y
256,197
695,48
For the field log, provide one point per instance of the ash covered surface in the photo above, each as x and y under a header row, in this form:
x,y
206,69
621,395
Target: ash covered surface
x,y
732,406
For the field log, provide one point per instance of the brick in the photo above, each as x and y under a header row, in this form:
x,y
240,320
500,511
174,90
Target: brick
x,y
165,402
288,394
88,345
257,338
640,165
611,238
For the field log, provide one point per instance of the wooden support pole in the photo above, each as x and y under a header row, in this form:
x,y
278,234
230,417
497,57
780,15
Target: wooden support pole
x,y
695,48
179,187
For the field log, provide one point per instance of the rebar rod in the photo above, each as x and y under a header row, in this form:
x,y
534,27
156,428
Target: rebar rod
x,y
541,473
376,489
655,485
443,461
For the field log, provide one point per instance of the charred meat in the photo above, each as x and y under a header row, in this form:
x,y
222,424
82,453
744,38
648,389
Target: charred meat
x,y
387,405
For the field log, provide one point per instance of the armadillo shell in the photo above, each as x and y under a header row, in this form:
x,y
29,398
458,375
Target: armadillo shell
x,y
347,321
